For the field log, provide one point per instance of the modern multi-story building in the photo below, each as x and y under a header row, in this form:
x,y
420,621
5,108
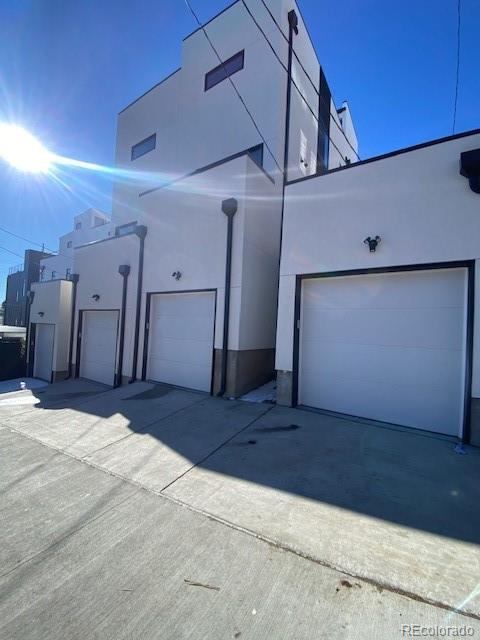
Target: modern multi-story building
x,y
247,226
186,291
89,226
19,281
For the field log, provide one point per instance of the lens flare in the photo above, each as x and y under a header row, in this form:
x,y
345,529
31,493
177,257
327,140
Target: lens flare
x,y
22,150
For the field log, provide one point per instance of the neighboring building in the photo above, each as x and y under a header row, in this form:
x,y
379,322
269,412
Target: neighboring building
x,y
90,226
19,281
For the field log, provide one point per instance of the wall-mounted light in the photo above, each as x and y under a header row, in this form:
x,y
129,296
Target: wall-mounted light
x,y
41,314
470,168
177,275
372,243
96,297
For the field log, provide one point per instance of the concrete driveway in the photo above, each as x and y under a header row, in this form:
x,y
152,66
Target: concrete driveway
x,y
116,501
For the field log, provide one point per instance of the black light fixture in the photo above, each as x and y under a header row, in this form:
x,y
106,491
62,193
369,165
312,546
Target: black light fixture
x,y
372,243
470,168
177,275
96,297
41,314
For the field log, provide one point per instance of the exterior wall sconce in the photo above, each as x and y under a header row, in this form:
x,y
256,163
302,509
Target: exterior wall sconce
x,y
41,314
470,168
372,243
96,297
177,275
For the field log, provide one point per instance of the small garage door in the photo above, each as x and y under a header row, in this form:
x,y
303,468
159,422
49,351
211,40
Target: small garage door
x,y
181,339
99,345
43,359
389,347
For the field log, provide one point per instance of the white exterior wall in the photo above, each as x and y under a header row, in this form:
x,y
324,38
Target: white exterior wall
x,y
187,233
416,201
195,127
54,299
88,232
97,265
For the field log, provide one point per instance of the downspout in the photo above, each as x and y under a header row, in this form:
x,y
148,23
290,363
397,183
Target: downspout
x,y
141,232
74,277
29,367
292,29
124,271
229,208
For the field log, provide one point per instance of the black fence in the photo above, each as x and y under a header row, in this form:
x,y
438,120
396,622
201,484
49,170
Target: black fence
x,y
12,358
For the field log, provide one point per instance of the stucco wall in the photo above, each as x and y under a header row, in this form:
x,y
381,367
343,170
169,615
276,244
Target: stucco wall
x,y
416,201
54,299
97,265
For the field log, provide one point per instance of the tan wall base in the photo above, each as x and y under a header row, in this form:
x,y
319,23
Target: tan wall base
x,y
246,370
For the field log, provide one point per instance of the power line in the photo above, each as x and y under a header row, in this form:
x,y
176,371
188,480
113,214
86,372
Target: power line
x,y
38,244
458,66
314,115
303,69
233,84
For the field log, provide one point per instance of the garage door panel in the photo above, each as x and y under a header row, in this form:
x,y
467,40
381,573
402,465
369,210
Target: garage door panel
x,y
389,347
187,351
181,339
403,405
177,327
407,327
427,291
443,368
99,346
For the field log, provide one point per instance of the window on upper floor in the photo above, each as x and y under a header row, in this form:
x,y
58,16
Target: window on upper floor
x,y
78,226
67,273
256,153
224,70
69,244
98,222
144,146
54,275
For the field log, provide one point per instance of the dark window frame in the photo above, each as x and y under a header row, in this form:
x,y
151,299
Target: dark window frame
x,y
134,155
223,67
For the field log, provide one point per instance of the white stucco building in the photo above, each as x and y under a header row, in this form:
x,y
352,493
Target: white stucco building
x,y
89,226
240,191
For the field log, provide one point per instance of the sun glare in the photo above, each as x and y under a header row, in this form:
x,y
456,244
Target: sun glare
x,y
22,150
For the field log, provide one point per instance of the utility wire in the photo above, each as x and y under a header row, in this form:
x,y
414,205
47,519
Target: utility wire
x,y
302,67
458,66
15,235
192,11
314,115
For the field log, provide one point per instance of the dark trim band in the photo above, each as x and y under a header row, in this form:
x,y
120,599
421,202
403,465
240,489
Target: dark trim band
x,y
385,156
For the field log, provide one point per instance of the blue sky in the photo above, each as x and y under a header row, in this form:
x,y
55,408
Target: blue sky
x,y
68,66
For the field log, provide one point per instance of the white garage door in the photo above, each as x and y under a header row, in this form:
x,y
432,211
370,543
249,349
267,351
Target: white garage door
x,y
99,346
181,339
43,359
388,347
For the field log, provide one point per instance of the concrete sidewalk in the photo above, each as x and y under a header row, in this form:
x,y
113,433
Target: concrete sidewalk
x,y
88,555
396,508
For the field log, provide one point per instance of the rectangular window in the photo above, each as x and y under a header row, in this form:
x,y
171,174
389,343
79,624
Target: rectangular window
x,y
256,154
323,143
54,275
125,229
223,71
69,244
144,146
78,226
67,273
